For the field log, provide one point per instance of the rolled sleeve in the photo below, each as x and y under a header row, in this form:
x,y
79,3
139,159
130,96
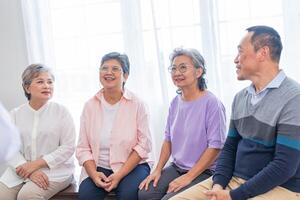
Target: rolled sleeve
x,y
144,139
83,149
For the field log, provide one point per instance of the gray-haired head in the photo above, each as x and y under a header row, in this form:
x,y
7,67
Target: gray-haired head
x,y
266,36
31,72
121,58
197,60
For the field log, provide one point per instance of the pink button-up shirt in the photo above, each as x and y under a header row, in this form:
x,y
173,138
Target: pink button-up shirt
x,y
130,132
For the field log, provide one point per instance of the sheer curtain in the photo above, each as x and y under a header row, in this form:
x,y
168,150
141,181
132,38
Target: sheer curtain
x,y
71,36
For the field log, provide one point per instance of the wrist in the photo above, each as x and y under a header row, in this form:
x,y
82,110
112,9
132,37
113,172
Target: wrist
x,y
217,187
93,175
190,175
158,169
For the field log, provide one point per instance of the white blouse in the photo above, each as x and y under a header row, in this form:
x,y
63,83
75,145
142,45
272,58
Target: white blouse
x,y
47,133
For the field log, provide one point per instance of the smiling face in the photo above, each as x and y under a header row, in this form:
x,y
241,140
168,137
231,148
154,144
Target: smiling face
x,y
111,75
184,73
247,59
41,87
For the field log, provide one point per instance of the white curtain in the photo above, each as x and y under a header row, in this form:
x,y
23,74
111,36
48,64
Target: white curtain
x,y
71,36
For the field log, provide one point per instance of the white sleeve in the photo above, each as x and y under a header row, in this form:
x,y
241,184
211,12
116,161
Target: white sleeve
x,y
9,136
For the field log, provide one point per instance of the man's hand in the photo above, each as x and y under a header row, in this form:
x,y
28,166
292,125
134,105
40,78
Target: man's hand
x,y
218,193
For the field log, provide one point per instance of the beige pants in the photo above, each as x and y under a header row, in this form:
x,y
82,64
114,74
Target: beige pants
x,y
197,191
30,190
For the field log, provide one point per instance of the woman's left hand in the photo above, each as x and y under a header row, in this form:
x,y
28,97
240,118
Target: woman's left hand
x,y
40,178
26,169
179,183
114,180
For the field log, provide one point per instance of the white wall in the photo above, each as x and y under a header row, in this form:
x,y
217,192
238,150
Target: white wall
x,y
12,54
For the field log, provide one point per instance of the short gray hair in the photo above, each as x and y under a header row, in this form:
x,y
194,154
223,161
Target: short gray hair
x,y
121,58
31,72
197,60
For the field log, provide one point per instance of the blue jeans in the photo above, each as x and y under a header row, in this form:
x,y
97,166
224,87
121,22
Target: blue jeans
x,y
126,190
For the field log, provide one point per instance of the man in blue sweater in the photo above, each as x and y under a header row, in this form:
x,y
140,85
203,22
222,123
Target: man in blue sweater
x,y
261,157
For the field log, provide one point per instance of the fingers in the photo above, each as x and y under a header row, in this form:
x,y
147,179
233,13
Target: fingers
x,y
22,172
211,193
103,177
104,184
148,180
143,184
155,181
174,187
41,180
111,187
45,180
100,183
147,183
178,188
171,187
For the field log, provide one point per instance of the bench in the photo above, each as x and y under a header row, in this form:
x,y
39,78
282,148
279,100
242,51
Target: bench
x,y
71,192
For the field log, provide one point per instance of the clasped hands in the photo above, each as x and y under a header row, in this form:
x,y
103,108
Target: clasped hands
x,y
31,170
107,183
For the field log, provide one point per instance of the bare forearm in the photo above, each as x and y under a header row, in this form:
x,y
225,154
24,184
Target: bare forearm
x,y
40,163
164,155
132,161
90,168
207,158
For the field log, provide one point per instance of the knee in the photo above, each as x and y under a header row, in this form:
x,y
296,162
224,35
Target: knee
x,y
127,194
86,195
88,190
85,192
152,193
144,194
27,194
7,195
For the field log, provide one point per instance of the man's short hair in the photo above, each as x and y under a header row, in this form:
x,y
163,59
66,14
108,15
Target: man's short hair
x,y
266,36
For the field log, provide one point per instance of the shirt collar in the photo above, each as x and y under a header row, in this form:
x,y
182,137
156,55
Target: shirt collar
x,y
41,109
275,83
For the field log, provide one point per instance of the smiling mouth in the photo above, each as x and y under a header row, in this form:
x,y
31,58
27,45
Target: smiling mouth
x,y
109,78
46,92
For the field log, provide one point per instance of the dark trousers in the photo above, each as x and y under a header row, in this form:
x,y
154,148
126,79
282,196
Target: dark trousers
x,y
167,176
126,190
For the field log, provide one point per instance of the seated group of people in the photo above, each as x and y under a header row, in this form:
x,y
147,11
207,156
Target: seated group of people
x,y
258,159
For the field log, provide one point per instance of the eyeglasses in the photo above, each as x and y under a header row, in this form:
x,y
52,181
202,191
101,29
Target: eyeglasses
x,y
182,68
113,69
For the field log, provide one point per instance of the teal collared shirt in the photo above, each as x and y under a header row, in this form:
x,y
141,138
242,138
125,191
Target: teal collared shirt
x,y
275,83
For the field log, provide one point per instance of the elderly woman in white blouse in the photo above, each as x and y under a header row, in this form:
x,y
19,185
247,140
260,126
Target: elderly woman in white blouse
x,y
44,165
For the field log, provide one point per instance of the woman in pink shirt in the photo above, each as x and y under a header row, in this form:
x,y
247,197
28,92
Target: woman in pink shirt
x,y
115,140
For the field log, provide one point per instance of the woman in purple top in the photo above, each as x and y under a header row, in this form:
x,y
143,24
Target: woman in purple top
x,y
195,131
